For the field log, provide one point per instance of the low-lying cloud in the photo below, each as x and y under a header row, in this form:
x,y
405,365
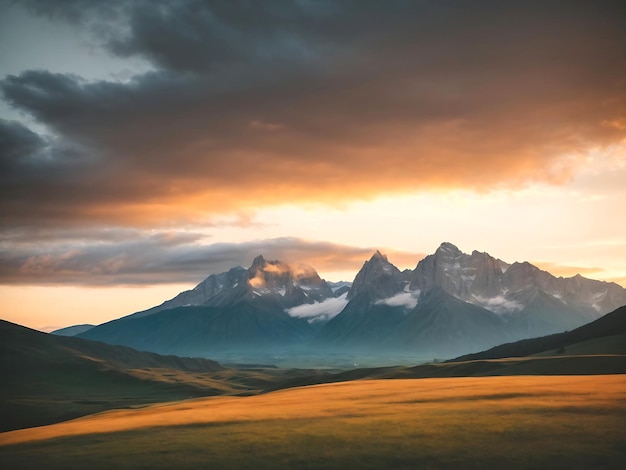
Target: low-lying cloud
x,y
319,311
499,304
407,300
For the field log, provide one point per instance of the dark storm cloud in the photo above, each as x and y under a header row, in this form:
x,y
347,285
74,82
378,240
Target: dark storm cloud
x,y
198,35
254,103
208,36
27,158
127,257
17,143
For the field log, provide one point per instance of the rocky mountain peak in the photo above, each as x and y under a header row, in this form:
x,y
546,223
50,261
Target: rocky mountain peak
x,y
294,284
269,275
520,290
378,256
258,262
276,273
378,277
449,250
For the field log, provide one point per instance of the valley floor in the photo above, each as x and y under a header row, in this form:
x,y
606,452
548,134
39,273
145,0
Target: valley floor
x,y
473,422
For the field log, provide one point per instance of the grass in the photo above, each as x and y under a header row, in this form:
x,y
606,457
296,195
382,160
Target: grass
x,y
604,345
487,422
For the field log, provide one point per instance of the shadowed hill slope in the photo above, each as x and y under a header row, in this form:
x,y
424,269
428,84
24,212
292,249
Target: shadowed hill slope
x,y
44,350
72,330
610,325
48,378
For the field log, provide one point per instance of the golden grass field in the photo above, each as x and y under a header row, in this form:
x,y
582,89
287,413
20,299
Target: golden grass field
x,y
488,422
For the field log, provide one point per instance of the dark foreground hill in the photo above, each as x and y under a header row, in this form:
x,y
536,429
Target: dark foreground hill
x,y
48,378
601,336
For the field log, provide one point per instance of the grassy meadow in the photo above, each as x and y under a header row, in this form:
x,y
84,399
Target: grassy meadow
x,y
473,422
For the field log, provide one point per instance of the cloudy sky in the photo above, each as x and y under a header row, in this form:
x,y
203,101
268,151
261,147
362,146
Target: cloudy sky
x,y
147,144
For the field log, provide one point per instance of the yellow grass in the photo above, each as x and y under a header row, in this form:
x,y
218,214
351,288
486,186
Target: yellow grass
x,y
526,420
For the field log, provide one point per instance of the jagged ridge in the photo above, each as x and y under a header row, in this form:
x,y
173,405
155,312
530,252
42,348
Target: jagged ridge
x,y
450,303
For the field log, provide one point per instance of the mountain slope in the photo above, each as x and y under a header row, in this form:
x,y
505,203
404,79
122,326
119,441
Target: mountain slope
x,y
48,378
503,288
241,310
250,324
72,330
441,325
370,316
274,305
544,314
610,325
466,277
202,293
295,284
378,277
453,302
363,323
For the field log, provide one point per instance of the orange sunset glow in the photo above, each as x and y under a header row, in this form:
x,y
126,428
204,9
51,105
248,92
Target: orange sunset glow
x,y
143,147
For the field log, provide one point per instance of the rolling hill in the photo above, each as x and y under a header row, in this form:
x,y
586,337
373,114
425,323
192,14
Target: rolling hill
x,y
611,328
48,378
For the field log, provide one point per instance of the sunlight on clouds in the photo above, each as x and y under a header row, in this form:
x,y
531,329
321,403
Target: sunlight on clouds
x,y
603,160
274,144
559,224
276,269
258,281
619,123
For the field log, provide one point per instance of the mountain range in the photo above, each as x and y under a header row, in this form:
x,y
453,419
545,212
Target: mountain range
x,y
451,304
51,378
